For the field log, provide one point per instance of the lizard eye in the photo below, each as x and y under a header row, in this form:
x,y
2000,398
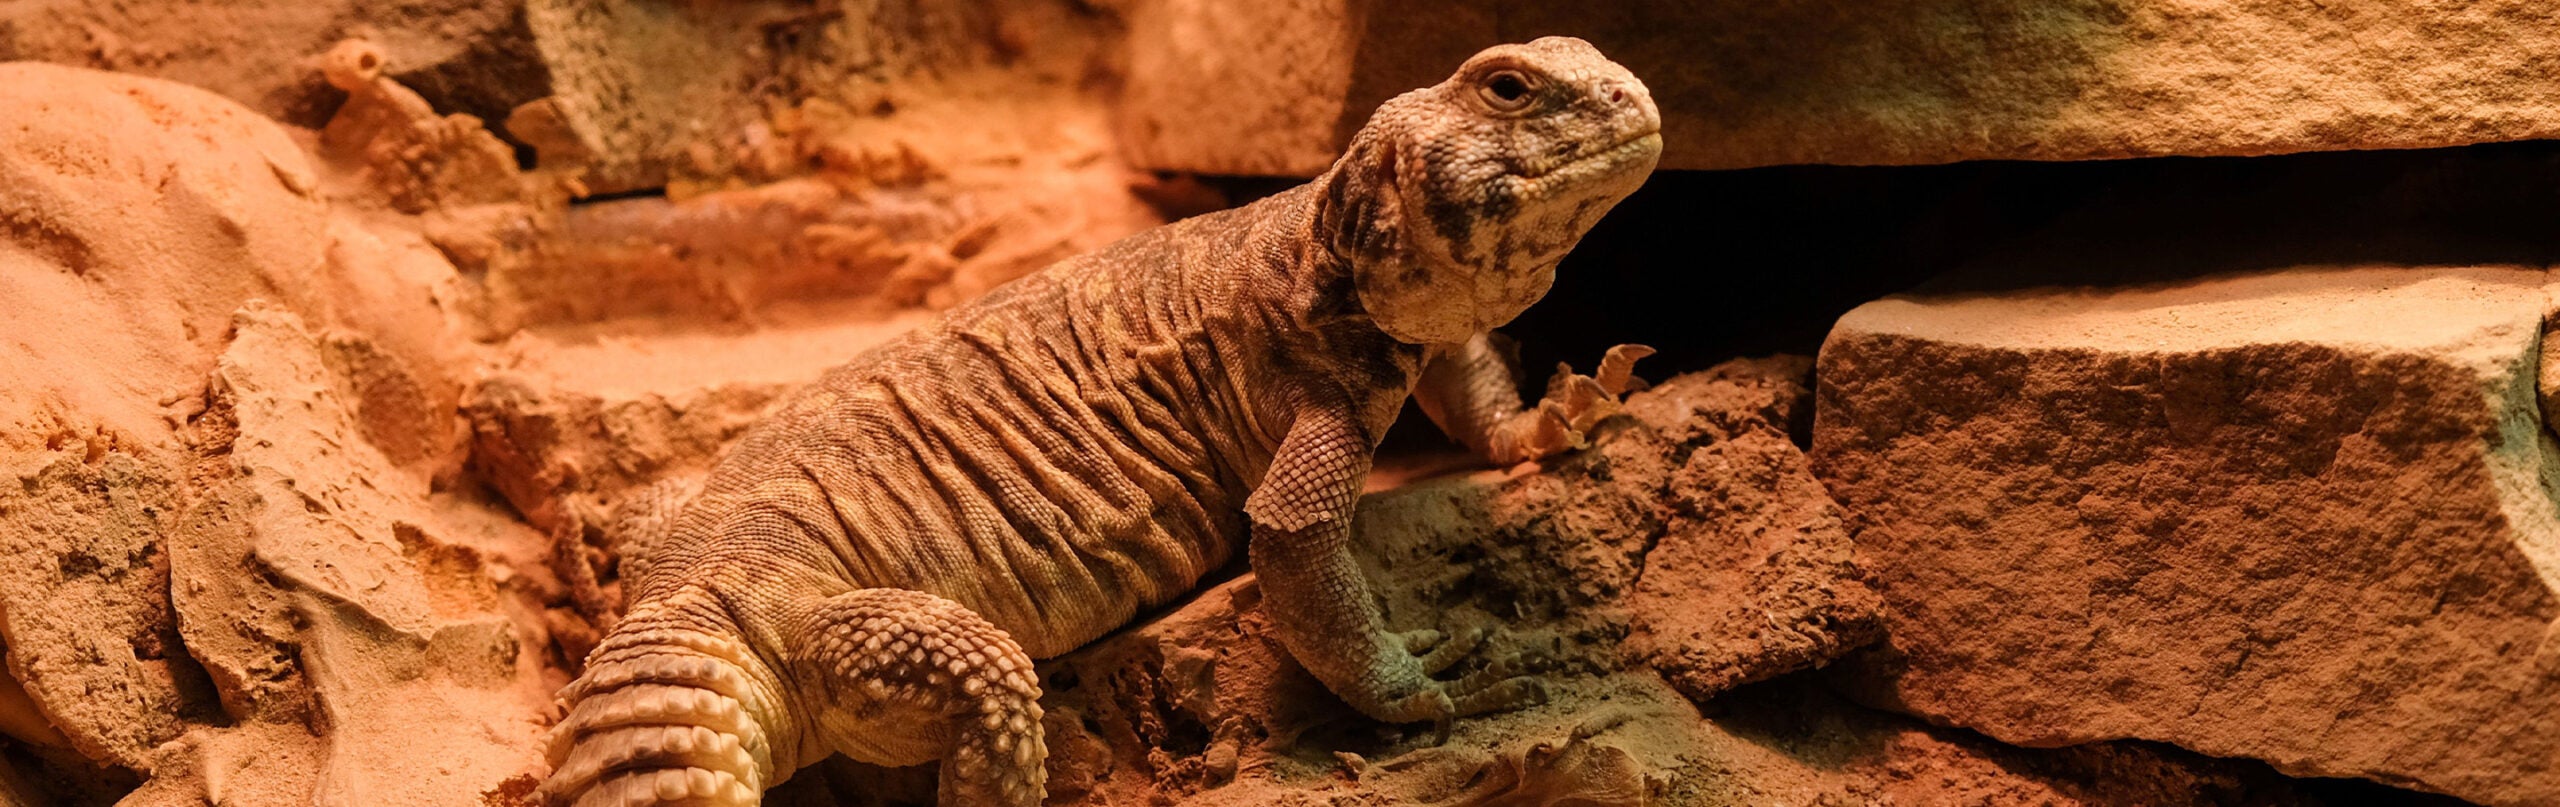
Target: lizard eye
x,y
1507,90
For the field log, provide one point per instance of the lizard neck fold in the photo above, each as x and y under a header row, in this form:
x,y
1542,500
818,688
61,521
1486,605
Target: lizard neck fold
x,y
1327,346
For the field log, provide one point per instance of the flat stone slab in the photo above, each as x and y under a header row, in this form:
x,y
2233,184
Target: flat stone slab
x,y
2304,516
1278,88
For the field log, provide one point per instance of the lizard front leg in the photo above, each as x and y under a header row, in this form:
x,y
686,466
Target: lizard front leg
x,y
1320,603
1472,391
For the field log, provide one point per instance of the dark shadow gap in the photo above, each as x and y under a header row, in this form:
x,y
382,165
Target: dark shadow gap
x,y
1713,265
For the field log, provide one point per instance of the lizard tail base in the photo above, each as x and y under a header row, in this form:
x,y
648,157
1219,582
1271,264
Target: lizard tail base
x,y
660,717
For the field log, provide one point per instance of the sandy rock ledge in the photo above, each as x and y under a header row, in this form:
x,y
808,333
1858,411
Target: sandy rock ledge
x,y
235,572
2304,516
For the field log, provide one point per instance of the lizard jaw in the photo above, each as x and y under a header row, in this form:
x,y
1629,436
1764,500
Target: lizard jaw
x,y
1645,147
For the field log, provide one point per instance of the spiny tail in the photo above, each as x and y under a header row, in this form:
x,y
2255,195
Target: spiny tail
x,y
662,717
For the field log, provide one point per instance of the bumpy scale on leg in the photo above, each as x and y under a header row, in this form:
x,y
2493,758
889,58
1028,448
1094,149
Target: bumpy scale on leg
x,y
899,677
666,714
1321,603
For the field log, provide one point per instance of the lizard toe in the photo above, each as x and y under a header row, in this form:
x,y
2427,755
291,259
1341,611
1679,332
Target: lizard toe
x,y
1502,695
1448,653
1421,641
1617,369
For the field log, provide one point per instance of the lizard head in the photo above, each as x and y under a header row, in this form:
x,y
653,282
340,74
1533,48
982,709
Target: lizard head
x,y
1455,202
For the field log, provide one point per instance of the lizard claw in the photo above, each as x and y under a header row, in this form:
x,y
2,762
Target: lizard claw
x,y
1576,403
1501,685
1616,375
1583,401
1573,406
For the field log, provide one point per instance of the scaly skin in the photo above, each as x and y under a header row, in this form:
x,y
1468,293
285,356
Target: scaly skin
x,y
873,568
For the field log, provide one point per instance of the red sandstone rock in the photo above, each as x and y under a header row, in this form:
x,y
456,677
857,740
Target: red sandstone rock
x,y
2304,516
1752,575
135,214
230,567
1278,87
1754,578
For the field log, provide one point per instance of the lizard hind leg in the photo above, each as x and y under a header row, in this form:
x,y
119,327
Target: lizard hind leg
x,y
667,713
900,677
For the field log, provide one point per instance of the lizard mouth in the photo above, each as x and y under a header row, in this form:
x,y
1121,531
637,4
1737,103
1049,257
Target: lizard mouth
x,y
1624,151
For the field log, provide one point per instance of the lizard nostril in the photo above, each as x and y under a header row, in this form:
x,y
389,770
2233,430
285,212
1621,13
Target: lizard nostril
x,y
1617,95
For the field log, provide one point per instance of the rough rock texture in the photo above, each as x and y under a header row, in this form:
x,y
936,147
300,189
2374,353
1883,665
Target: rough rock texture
x,y
835,171
326,587
232,571
551,416
470,55
400,147
1753,575
1275,88
113,192
623,96
643,94
2304,516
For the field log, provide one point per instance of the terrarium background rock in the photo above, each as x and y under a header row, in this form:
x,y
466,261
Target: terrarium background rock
x,y
2301,515
1278,88
469,55
161,208
631,95
223,585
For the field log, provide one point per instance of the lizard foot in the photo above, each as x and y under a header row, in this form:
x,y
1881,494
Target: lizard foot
x,y
899,677
1501,685
1579,402
1573,406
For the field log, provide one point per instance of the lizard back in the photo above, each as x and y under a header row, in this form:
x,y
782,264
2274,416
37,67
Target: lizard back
x,y
1068,450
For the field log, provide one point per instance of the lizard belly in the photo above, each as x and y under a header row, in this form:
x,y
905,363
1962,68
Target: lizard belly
x,y
1054,601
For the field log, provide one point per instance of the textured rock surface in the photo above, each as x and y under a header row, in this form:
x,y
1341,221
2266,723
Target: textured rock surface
x,y
1278,87
642,94
114,193
2304,516
624,96
1752,576
471,55
347,595
232,573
